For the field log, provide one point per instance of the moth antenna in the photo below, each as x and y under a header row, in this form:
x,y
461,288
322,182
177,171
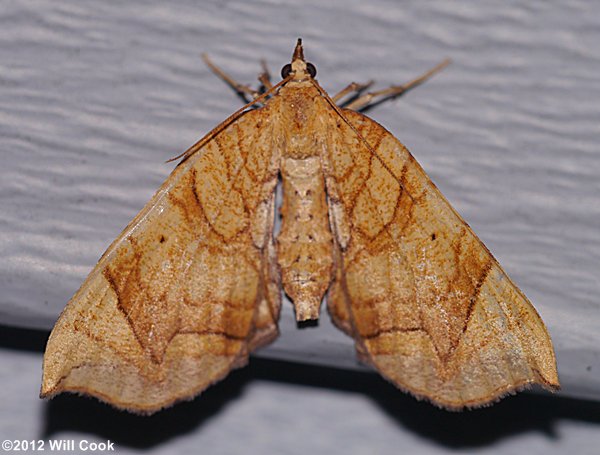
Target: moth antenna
x,y
360,136
221,126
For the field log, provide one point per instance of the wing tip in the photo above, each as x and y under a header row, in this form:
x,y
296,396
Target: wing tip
x,y
143,402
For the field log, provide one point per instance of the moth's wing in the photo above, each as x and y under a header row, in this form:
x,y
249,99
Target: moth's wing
x,y
187,290
427,303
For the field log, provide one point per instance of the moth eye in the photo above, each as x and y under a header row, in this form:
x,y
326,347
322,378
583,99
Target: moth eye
x,y
286,70
312,70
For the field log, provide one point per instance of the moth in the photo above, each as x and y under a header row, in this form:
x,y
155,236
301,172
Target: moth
x,y
193,284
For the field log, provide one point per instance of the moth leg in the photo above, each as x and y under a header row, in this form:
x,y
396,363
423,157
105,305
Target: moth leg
x,y
395,90
265,77
354,87
241,89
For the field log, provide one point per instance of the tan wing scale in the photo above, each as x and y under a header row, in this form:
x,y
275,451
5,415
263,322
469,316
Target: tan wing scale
x,y
427,303
187,290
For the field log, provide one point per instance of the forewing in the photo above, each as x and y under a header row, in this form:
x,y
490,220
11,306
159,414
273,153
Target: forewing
x,y
186,290
427,303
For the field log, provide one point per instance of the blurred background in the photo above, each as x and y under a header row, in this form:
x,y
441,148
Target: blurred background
x,y
96,96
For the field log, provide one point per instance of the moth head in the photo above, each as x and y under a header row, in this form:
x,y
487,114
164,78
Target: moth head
x,y
299,68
